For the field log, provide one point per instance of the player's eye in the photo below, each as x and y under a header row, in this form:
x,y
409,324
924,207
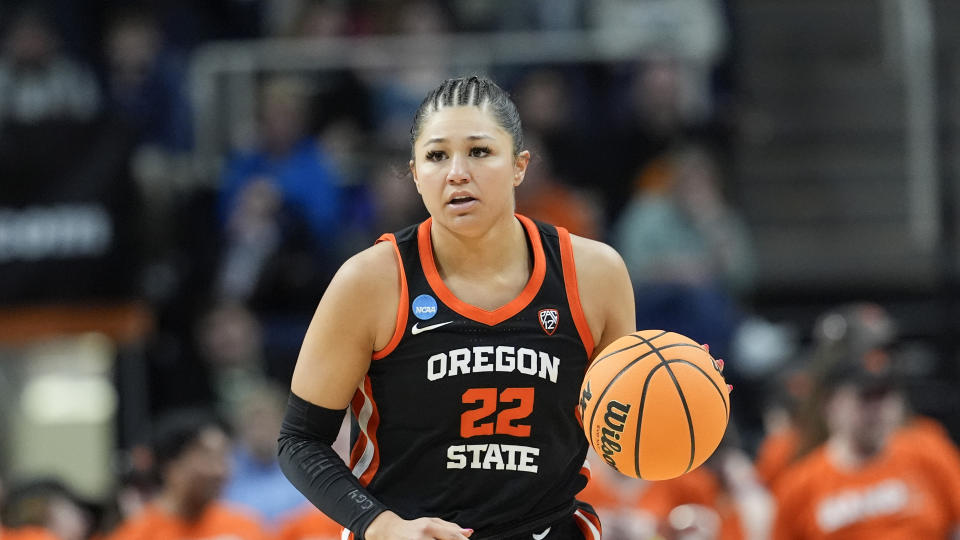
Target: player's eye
x,y
479,151
435,155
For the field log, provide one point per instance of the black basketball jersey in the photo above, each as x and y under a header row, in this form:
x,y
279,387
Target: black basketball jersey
x,y
469,415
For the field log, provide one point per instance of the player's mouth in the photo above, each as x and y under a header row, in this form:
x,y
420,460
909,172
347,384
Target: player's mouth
x,y
461,201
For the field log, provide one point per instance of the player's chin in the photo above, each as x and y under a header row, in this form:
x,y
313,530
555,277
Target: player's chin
x,y
463,217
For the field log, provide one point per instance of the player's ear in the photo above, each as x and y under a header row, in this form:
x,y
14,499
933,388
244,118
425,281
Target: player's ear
x,y
520,167
413,173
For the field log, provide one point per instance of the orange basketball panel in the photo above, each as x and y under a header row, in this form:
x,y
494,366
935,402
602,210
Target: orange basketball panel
x,y
708,409
664,448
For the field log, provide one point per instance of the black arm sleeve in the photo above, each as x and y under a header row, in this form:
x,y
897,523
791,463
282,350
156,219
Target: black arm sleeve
x,y
313,467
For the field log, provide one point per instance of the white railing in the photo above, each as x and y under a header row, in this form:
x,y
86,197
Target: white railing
x,y
910,48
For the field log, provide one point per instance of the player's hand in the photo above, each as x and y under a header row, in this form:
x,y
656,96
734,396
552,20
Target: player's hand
x,y
390,526
720,365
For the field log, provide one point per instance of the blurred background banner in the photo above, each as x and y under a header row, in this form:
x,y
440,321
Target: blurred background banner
x,y
180,180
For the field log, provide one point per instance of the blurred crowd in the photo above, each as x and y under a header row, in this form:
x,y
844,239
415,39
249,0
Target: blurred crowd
x,y
95,116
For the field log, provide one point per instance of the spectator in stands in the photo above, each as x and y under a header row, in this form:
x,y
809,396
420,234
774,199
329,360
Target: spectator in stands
x,y
658,118
37,80
876,474
780,443
46,505
551,108
396,201
794,424
310,524
145,82
687,249
257,481
191,450
281,207
230,341
678,227
547,198
396,93
26,533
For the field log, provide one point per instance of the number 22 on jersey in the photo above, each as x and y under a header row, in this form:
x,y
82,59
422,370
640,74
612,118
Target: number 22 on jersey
x,y
489,418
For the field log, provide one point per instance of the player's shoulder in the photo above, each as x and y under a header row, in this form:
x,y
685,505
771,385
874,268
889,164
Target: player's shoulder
x,y
369,268
594,255
600,269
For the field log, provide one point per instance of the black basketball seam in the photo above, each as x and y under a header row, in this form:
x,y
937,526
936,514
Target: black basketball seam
x,y
726,410
593,415
624,368
627,348
686,410
643,399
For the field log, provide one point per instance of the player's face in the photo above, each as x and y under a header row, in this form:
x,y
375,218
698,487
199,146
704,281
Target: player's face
x,y
465,169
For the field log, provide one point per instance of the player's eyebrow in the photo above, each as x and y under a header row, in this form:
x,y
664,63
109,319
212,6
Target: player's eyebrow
x,y
476,137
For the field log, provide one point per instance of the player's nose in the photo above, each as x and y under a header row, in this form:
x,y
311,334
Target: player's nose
x,y
459,171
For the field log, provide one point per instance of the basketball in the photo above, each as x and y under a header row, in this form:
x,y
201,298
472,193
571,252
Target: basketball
x,y
654,404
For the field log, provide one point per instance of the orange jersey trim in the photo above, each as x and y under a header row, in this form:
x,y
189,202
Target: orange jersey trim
x,y
588,524
586,471
365,456
573,292
404,300
497,316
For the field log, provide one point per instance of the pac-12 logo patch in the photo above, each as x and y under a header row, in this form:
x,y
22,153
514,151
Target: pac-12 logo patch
x,y
549,318
424,307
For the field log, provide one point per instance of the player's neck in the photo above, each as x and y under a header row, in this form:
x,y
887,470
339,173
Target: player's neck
x,y
500,249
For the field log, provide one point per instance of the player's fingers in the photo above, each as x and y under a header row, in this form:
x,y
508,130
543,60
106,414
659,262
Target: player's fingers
x,y
729,388
445,530
452,534
705,346
720,364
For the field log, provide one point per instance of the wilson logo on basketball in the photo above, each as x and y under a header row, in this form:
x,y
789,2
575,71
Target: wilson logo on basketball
x,y
614,419
549,318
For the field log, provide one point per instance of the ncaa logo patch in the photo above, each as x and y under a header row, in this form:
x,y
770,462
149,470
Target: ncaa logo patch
x,y
549,319
424,307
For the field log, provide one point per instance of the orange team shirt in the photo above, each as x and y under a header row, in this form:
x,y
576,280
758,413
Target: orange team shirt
x,y
776,452
217,521
699,486
927,440
26,533
310,524
897,495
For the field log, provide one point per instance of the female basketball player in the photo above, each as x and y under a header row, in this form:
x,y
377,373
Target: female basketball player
x,y
460,344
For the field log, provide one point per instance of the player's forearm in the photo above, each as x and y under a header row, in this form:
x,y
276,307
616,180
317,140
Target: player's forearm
x,y
313,467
